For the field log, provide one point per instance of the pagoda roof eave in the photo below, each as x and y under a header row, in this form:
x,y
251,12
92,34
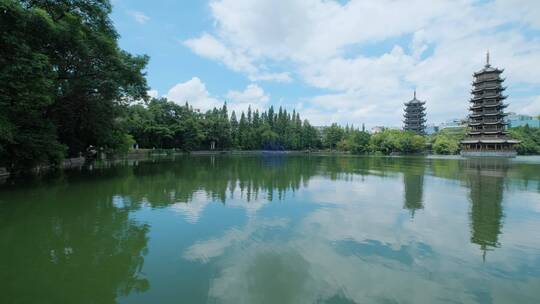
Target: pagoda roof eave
x,y
488,70
414,116
499,88
490,141
498,96
498,122
487,114
500,105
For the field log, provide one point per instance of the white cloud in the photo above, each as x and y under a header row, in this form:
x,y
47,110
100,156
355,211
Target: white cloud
x,y
208,46
308,30
193,208
253,96
433,46
206,250
152,93
139,17
194,92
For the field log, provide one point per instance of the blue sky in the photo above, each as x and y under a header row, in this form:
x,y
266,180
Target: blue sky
x,y
350,62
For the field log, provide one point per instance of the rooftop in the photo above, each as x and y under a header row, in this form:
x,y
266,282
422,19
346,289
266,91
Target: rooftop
x,y
415,101
488,68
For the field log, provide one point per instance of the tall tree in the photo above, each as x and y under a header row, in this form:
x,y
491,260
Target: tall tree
x,y
27,137
63,56
243,129
332,135
234,130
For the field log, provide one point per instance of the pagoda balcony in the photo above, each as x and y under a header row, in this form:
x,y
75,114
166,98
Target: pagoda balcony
x,y
481,97
415,110
494,113
487,99
491,127
414,122
494,132
482,88
477,82
488,128
484,113
489,105
498,122
490,135
413,125
488,122
416,115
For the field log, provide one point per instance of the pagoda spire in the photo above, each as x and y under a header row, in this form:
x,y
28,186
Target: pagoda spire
x,y
414,94
487,59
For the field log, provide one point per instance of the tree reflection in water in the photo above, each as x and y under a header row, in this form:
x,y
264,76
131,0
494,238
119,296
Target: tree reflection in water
x,y
71,246
75,239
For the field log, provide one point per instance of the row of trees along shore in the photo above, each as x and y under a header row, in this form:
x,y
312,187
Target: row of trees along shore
x,y
163,124
67,85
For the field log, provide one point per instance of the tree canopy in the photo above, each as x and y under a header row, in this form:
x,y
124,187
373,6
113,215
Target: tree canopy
x,y
529,139
447,141
65,80
165,124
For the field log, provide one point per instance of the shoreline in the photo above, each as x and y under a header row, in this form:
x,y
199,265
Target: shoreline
x,y
147,154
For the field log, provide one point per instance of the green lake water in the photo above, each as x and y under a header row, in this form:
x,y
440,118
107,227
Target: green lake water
x,y
275,229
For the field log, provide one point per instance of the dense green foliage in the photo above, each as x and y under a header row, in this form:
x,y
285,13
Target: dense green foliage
x,y
447,141
397,141
388,141
165,124
529,137
346,139
64,80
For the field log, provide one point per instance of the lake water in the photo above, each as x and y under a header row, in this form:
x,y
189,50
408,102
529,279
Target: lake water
x,y
275,229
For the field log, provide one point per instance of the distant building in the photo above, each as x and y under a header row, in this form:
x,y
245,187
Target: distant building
x,y
377,129
517,120
432,129
415,116
453,124
487,135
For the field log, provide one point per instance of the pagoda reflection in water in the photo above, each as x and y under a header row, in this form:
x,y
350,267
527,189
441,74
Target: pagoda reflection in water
x,y
413,182
485,177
